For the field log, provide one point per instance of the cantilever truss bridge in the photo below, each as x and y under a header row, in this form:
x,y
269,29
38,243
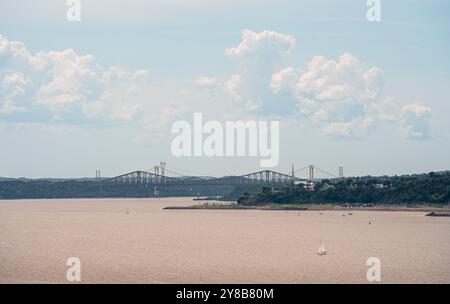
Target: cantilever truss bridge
x,y
261,178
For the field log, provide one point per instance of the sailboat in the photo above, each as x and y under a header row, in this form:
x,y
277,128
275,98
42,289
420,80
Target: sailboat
x,y
322,250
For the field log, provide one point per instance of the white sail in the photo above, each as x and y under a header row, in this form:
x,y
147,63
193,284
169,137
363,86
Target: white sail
x,y
322,249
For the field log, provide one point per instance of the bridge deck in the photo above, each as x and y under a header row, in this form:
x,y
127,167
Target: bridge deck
x,y
266,177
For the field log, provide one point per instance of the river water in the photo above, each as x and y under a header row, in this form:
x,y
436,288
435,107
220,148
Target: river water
x,y
136,241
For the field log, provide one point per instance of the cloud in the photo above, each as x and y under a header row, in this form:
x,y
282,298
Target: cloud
x,y
415,121
205,82
120,98
259,55
252,105
355,129
64,84
42,128
328,80
8,107
233,86
262,45
155,126
284,80
344,96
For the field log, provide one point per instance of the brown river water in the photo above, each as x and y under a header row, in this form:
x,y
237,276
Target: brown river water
x,y
136,241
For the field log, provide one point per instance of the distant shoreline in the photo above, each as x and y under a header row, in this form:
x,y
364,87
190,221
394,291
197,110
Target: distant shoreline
x,y
434,211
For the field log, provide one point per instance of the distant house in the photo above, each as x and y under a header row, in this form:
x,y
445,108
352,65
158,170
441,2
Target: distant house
x,y
310,186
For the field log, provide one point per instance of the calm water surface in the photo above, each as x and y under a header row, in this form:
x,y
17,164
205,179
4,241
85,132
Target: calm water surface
x,y
134,240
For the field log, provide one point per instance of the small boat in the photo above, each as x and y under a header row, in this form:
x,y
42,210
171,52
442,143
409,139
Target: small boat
x,y
322,250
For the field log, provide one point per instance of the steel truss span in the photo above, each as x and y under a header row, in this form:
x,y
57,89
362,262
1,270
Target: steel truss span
x,y
263,178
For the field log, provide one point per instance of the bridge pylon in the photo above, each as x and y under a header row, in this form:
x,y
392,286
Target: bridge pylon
x,y
293,175
311,173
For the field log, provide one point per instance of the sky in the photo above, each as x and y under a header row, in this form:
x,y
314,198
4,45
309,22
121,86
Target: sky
x,y
103,93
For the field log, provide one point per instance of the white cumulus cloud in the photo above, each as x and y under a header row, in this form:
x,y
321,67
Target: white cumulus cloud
x,y
262,45
344,96
233,87
66,83
284,80
259,55
415,121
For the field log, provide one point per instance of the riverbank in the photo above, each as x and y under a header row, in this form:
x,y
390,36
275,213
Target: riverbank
x,y
432,210
439,214
231,207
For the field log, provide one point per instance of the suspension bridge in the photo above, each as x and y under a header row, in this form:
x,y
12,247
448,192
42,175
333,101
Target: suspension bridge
x,y
163,176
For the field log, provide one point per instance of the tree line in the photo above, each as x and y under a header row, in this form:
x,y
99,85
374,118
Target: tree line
x,y
432,188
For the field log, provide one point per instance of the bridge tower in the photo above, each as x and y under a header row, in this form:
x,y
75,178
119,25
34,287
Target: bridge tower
x,y
293,175
162,166
98,177
341,172
311,172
